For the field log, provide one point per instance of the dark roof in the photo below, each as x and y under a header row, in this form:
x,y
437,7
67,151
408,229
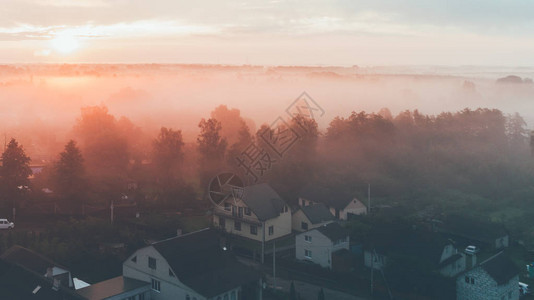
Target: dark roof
x,y
29,259
111,287
199,262
332,197
500,268
264,202
17,282
407,242
317,213
473,229
333,231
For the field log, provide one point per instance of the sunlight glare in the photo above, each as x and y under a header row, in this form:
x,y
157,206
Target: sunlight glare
x,y
65,43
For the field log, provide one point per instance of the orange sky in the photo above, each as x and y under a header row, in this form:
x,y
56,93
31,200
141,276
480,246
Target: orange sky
x,y
276,32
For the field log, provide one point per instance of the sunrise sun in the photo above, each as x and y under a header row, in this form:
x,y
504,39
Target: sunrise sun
x,y
65,43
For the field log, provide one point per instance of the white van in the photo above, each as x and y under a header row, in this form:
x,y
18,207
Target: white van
x,y
523,289
5,224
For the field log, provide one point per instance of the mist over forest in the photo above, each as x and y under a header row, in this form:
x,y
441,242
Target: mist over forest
x,y
425,141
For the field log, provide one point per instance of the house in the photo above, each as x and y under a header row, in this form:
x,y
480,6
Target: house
x,y
258,214
430,250
19,282
39,264
193,266
322,244
311,216
471,232
117,288
341,205
494,279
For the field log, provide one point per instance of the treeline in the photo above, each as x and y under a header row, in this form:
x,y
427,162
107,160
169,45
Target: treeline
x,y
475,161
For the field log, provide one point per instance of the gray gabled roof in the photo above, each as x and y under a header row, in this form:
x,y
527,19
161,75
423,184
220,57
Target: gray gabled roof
x,y
199,261
332,197
500,268
333,231
317,213
264,202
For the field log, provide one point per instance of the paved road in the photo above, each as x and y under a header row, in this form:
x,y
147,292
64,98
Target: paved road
x,y
310,291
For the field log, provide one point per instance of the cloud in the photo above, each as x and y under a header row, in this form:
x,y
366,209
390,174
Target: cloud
x,y
42,52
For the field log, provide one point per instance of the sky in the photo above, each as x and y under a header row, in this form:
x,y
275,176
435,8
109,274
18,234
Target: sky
x,y
275,32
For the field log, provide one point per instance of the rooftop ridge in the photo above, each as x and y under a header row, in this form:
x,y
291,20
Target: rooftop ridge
x,y
180,236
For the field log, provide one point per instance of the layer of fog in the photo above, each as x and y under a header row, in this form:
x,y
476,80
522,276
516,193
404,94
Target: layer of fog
x,y
39,104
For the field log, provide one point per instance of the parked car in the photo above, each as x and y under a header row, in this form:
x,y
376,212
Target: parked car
x,y
472,250
523,289
5,224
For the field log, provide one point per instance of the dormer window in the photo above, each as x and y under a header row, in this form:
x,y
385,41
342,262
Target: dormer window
x,y
247,211
227,206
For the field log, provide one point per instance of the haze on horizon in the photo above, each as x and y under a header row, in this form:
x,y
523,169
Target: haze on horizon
x,y
276,32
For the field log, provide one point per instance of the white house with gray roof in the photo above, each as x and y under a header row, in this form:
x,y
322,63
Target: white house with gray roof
x,y
342,205
321,244
496,278
259,214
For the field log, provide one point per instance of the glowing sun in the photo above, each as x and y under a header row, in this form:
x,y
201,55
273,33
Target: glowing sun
x,y
65,43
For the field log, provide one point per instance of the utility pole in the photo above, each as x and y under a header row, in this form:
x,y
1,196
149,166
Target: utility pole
x,y
262,242
369,198
274,264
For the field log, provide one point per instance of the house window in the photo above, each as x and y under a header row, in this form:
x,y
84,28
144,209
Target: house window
x,y
271,230
171,273
222,222
240,212
227,206
308,238
308,254
152,263
234,210
156,285
253,229
304,225
237,225
134,259
247,211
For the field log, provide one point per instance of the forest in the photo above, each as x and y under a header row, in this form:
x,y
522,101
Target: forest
x,y
470,162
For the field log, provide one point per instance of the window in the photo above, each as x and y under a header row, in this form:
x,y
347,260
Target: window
x,y
308,238
237,225
171,273
466,279
247,211
156,285
152,263
227,206
253,229
307,253
271,230
234,210
222,222
304,225
240,212
472,280
134,259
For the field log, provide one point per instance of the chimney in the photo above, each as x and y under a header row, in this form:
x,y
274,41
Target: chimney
x,y
56,284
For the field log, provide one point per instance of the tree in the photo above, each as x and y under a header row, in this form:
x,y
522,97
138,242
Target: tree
x,y
15,172
69,177
211,147
168,153
320,296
